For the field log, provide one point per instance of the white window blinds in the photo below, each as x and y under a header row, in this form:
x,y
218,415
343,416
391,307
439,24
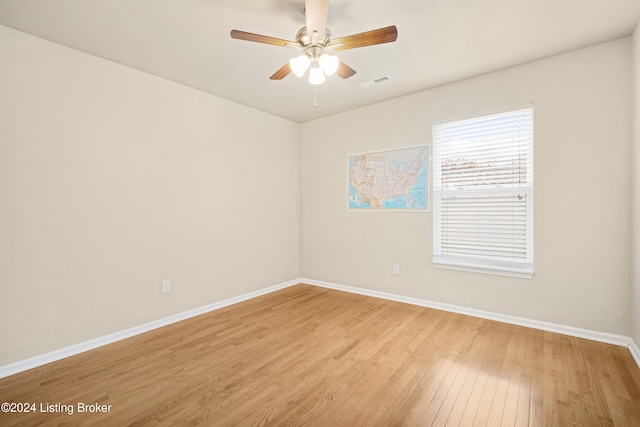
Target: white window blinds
x,y
483,194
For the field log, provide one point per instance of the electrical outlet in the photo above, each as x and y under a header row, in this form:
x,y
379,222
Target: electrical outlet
x,y
396,268
166,286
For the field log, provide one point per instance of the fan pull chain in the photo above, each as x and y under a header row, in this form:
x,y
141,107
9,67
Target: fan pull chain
x,y
315,101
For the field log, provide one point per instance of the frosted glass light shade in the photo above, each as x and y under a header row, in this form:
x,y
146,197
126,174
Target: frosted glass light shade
x,y
329,63
316,76
299,65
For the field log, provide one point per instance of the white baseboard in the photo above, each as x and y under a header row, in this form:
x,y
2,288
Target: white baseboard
x,y
635,351
43,359
604,337
72,350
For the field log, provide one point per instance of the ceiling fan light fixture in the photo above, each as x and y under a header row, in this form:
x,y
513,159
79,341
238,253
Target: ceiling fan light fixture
x,y
314,40
316,76
299,65
329,64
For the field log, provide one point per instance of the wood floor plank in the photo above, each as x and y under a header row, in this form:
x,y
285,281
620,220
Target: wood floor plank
x,y
306,355
518,389
486,356
489,392
474,360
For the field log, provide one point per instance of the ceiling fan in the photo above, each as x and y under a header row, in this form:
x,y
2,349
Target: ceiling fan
x,y
315,40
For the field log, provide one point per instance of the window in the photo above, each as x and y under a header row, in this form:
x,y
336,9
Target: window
x,y
483,194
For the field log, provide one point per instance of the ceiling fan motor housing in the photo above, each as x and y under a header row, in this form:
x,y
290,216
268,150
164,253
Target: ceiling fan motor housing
x,y
307,40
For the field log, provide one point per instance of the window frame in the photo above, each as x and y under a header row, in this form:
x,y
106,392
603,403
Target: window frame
x,y
480,264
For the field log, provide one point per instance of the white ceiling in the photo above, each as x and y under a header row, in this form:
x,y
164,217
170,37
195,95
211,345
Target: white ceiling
x,y
439,41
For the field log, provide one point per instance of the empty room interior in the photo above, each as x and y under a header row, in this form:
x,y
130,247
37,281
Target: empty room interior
x,y
320,213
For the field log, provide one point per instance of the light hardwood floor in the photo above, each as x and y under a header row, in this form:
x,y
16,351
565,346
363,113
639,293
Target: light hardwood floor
x,y
312,356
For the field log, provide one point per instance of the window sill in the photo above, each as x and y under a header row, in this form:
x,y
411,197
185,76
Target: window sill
x,y
520,272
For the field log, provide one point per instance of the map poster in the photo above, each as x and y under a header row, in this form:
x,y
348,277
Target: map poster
x,y
392,180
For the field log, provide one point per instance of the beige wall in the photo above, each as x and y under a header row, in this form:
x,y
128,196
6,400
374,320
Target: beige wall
x,y
636,183
112,179
582,148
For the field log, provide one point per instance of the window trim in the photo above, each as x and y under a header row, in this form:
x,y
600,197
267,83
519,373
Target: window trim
x,y
518,269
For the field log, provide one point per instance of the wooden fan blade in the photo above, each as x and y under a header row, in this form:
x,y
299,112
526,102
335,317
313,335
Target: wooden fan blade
x,y
316,13
281,73
251,37
368,38
345,71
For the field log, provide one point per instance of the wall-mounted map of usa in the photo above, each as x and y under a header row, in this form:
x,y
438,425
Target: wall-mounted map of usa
x,y
389,180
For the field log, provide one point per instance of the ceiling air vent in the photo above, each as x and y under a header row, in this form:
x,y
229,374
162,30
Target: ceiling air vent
x,y
377,81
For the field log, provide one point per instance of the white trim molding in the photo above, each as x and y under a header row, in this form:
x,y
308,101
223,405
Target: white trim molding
x,y
635,351
43,359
